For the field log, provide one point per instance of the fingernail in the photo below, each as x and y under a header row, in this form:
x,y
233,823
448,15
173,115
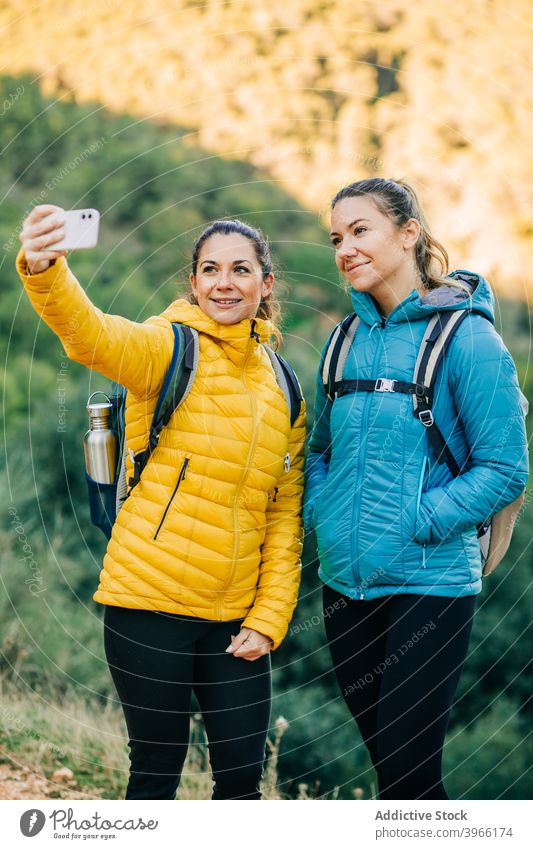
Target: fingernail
x,y
229,649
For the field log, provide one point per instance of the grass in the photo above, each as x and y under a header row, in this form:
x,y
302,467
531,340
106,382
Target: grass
x,y
47,733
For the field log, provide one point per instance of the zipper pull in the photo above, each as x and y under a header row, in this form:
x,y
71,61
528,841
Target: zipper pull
x,y
287,462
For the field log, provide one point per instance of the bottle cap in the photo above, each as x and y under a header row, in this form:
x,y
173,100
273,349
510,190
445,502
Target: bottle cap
x,y
101,409
98,409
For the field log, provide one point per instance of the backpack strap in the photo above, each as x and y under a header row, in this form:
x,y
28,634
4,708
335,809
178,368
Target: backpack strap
x,y
178,381
288,383
437,337
118,399
337,350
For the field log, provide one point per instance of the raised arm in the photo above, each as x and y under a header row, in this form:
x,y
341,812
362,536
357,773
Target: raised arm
x,y
136,355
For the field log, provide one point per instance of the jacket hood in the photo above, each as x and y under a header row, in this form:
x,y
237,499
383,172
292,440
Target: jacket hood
x,y
444,298
235,334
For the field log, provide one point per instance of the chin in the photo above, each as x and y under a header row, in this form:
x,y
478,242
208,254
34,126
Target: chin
x,y
228,317
361,285
364,282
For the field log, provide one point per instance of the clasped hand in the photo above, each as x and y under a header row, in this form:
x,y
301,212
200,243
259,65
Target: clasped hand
x,y
249,644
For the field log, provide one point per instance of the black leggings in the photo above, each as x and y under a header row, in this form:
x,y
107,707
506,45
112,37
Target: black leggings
x,y
156,660
398,660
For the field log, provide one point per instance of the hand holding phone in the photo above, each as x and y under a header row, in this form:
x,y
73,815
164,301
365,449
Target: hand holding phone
x,y
81,230
49,232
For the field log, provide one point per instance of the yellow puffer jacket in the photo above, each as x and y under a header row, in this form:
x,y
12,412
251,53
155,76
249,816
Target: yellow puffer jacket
x,y
213,529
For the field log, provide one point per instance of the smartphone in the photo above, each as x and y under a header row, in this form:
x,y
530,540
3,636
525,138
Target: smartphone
x,y
81,230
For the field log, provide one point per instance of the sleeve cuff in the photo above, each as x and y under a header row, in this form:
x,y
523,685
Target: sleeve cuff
x,y
45,277
266,628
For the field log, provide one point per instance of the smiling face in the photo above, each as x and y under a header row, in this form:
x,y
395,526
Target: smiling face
x,y
229,283
372,253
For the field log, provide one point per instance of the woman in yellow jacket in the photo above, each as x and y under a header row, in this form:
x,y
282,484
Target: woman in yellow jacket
x,y
202,569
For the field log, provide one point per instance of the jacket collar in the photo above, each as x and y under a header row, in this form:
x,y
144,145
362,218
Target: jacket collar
x,y
478,296
234,338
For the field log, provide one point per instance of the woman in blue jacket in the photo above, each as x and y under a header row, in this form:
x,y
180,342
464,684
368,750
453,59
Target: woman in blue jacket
x,y
396,531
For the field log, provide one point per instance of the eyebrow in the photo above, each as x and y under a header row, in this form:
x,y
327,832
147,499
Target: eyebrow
x,y
351,224
235,261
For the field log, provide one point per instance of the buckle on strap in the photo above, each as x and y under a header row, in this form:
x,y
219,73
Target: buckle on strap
x,y
384,384
426,417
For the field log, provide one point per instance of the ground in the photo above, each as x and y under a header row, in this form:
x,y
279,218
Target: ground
x,y
21,782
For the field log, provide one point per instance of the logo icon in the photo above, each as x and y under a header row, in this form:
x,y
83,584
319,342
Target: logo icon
x,y
32,822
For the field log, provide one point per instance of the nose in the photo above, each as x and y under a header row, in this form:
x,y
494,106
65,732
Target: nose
x,y
346,249
224,281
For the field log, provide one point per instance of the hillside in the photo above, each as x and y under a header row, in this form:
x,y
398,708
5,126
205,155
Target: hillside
x,y
165,116
319,94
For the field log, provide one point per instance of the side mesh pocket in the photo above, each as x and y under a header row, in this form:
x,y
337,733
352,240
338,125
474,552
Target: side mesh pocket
x,y
102,504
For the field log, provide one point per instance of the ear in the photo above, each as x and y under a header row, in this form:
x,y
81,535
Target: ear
x,y
267,285
192,281
411,231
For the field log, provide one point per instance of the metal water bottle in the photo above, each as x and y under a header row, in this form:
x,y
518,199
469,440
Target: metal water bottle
x,y
100,442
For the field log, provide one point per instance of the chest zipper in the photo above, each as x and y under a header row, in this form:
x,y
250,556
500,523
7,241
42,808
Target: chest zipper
x,y
356,498
180,478
251,452
286,469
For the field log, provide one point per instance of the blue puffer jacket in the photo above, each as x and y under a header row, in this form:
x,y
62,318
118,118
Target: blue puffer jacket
x,y
388,517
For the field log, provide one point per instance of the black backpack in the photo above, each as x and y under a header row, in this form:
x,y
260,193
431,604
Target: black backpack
x,y
494,536
105,500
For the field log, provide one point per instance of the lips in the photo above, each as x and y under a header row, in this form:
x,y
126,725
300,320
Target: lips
x,y
349,268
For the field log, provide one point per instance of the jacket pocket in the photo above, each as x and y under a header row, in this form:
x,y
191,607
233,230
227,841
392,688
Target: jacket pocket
x,y
422,483
181,476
